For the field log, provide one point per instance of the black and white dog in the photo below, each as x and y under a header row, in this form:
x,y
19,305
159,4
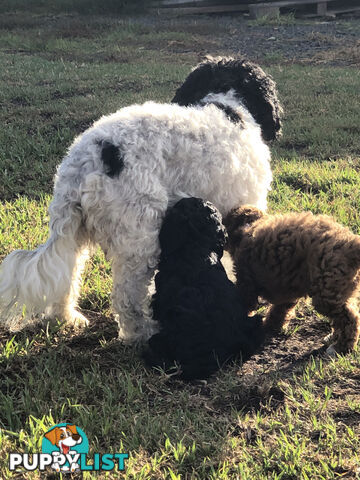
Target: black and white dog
x,y
120,176
203,323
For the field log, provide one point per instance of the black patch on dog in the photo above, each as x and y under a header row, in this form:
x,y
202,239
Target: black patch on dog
x,y
253,87
112,158
203,323
232,115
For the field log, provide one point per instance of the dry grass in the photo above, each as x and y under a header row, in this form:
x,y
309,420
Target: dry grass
x,y
349,53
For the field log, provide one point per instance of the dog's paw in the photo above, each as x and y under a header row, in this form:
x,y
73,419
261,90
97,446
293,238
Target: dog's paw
x,y
69,317
76,320
331,351
136,331
129,330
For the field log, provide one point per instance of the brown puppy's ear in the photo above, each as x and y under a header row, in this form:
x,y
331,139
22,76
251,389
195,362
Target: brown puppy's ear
x,y
51,436
236,220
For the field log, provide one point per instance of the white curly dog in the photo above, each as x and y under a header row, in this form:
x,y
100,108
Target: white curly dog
x,y
119,177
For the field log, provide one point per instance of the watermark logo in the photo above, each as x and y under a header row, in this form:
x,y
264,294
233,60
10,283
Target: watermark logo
x,y
65,449
65,442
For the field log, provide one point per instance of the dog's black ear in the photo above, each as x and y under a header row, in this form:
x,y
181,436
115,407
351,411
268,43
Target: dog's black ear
x,y
200,82
205,225
259,94
256,90
173,233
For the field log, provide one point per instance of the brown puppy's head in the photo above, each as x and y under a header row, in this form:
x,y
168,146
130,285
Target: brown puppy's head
x,y
235,222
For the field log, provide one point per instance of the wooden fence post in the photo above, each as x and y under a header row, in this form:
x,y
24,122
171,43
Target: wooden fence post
x,y
322,9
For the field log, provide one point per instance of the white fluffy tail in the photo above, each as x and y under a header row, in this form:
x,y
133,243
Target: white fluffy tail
x,y
33,282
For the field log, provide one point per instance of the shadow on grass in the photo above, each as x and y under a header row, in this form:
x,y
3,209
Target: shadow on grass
x,y
94,381
95,356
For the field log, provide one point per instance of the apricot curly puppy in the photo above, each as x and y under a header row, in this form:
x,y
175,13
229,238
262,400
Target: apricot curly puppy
x,y
285,257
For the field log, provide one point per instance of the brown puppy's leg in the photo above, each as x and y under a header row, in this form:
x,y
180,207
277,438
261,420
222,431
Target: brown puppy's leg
x,y
346,323
247,289
279,316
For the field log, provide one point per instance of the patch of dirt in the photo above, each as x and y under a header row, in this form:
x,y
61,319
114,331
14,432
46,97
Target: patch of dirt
x,y
56,26
280,357
334,42
19,101
314,42
348,417
286,352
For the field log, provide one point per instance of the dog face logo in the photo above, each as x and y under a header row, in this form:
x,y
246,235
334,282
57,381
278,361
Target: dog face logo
x,y
65,442
64,437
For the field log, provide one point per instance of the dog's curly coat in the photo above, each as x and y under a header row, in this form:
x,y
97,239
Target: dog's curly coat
x,y
203,323
285,257
121,175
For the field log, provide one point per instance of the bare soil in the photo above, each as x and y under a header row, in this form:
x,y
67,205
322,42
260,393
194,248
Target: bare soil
x,y
334,42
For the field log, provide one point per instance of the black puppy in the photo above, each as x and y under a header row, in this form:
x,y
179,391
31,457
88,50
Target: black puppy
x,y
202,321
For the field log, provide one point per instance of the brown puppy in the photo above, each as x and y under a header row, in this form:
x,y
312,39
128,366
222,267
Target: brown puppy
x,y
285,257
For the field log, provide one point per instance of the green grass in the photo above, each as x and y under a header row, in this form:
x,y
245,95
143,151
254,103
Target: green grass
x,y
276,20
275,419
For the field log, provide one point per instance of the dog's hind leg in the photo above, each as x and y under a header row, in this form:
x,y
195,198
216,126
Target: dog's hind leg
x,y
346,324
134,258
66,308
45,281
131,279
279,316
126,224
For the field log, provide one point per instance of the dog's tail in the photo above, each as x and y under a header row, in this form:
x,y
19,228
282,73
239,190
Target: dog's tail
x,y
236,220
33,281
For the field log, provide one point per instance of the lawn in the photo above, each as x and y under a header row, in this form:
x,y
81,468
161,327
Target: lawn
x,y
290,413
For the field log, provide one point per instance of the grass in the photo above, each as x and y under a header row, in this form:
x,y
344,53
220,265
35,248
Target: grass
x,y
275,20
289,413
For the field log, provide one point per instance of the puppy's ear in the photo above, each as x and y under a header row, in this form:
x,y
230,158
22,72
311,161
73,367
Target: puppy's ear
x,y
259,94
252,86
173,234
51,436
236,220
205,225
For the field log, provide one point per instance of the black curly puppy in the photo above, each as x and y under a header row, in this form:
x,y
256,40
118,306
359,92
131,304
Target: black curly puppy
x,y
202,321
